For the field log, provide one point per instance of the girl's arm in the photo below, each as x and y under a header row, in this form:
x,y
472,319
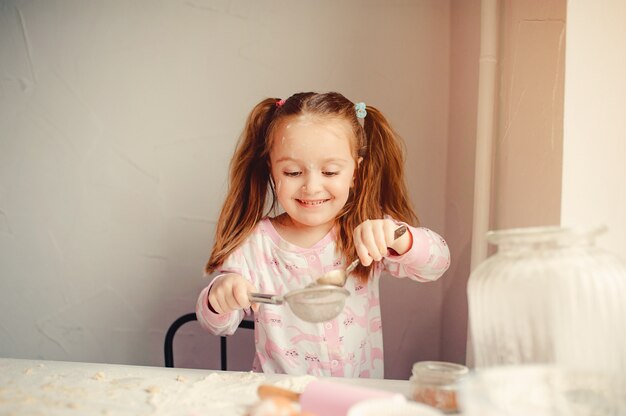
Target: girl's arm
x,y
426,260
217,324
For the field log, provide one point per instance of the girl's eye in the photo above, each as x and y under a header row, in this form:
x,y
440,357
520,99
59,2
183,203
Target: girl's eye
x,y
292,174
330,173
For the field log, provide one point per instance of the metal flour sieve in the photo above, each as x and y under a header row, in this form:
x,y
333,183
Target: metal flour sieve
x,y
320,303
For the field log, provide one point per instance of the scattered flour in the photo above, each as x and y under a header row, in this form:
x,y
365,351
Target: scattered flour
x,y
59,388
98,376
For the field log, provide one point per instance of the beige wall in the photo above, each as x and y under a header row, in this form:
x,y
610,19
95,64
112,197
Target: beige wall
x,y
594,148
529,141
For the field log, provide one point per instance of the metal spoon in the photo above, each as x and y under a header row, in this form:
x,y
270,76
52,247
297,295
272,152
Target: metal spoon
x,y
338,277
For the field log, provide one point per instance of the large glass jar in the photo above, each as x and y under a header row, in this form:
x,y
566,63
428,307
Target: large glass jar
x,y
549,295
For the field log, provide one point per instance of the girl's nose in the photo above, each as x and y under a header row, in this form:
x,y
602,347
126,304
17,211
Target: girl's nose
x,y
312,184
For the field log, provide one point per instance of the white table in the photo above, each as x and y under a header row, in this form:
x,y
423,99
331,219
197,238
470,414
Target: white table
x,y
31,387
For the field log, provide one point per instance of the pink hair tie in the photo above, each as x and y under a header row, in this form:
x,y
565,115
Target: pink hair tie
x,y
280,103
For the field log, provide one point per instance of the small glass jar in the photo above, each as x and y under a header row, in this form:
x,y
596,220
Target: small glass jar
x,y
435,383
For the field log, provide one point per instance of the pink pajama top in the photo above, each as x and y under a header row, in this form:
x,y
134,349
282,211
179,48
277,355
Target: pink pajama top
x,y
350,345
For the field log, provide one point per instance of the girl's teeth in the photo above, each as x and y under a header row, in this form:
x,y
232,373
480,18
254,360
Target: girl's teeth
x,y
312,202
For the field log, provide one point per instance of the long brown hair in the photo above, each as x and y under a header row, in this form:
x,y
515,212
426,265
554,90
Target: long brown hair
x,y
379,185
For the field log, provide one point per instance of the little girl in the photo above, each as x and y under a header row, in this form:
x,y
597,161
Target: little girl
x,y
336,170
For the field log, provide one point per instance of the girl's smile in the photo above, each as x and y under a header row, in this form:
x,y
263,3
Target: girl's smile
x,y
312,204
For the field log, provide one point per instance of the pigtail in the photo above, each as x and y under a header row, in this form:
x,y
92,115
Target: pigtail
x,y
385,153
379,186
248,186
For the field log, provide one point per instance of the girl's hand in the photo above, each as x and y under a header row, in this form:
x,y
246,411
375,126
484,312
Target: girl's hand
x,y
229,293
372,238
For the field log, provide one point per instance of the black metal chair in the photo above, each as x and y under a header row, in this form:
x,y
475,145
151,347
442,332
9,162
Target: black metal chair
x,y
169,339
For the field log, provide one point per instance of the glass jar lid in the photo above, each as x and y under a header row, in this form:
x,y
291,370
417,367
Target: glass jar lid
x,y
548,235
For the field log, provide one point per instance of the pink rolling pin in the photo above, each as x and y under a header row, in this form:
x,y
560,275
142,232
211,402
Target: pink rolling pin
x,y
326,398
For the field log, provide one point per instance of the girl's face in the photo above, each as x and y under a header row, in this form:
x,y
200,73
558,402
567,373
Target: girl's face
x,y
313,168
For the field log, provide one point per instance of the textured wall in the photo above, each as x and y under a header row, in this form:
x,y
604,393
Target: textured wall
x,y
117,122
529,143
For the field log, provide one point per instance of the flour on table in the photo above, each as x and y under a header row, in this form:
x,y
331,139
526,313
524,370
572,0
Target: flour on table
x,y
153,389
60,388
296,383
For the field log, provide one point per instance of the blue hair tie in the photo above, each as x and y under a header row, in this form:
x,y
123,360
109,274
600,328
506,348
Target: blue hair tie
x,y
360,110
